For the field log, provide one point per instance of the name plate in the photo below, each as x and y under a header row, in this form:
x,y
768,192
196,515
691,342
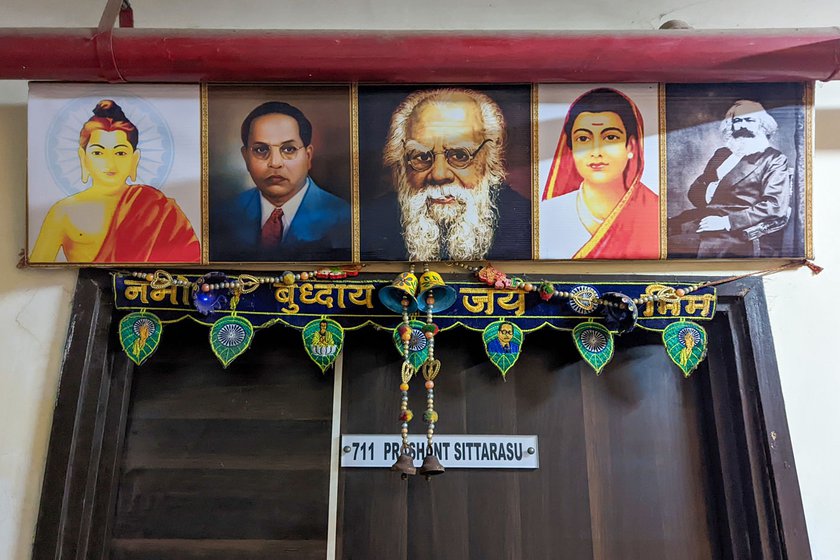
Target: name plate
x,y
453,451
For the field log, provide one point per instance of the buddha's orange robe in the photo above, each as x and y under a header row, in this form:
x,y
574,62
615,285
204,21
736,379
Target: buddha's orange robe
x,y
148,227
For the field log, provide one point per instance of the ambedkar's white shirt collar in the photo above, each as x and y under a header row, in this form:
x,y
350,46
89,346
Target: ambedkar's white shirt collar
x,y
290,207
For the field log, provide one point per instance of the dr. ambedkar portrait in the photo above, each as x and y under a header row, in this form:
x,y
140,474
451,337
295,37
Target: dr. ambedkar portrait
x,y
279,174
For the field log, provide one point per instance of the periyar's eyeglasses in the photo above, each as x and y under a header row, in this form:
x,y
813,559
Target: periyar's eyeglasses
x,y
263,151
458,158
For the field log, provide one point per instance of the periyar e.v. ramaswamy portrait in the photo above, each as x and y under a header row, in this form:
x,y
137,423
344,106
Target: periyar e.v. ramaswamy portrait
x,y
445,173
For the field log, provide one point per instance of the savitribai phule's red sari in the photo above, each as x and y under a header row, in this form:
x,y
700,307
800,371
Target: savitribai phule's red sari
x,y
148,227
631,230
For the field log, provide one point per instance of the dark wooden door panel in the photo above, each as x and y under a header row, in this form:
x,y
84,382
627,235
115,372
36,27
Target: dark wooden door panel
x,y
554,499
380,520
622,470
646,460
225,463
221,504
238,549
225,443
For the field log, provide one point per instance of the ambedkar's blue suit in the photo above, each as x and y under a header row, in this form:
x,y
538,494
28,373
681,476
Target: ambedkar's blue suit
x,y
320,230
495,347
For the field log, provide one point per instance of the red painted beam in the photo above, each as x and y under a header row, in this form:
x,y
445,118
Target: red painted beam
x,y
168,55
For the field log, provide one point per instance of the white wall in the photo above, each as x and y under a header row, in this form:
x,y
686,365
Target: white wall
x,y
34,311
34,305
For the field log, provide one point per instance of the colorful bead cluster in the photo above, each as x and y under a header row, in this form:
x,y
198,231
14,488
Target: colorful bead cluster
x,y
405,415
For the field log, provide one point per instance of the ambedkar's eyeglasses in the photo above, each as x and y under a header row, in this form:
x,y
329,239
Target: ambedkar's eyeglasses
x,y
458,158
263,151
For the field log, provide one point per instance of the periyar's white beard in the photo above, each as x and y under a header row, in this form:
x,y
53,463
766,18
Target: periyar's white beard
x,y
745,146
464,227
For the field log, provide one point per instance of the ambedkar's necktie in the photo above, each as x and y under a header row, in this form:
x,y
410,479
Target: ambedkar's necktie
x,y
272,231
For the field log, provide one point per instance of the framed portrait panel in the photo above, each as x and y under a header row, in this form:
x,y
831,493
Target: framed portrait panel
x,y
599,177
280,173
737,160
445,172
158,174
114,174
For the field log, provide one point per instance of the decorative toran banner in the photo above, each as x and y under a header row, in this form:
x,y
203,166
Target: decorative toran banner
x,y
323,303
322,308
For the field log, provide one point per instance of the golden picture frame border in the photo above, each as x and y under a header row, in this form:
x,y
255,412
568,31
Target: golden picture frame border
x,y
353,88
808,106
353,107
24,253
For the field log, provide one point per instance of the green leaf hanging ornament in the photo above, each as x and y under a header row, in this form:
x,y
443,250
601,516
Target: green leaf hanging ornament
x,y
140,335
418,345
595,344
229,337
322,340
503,343
686,344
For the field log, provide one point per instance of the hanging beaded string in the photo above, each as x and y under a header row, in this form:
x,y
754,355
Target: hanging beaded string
x,y
246,283
430,370
406,374
587,300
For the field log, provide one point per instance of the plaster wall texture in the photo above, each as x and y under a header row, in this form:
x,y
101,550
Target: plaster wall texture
x,y
35,304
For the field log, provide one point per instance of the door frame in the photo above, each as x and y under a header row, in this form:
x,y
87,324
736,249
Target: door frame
x,y
762,500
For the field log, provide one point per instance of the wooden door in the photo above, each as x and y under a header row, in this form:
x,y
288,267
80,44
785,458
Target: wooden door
x,y
182,459
225,464
627,459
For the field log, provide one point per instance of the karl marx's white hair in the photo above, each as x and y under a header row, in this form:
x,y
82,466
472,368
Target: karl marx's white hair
x,y
756,110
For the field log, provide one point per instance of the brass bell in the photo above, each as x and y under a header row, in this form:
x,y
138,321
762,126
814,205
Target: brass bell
x,y
431,466
403,287
442,296
405,466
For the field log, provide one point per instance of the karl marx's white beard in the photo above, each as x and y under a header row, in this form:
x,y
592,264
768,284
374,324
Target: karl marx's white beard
x,y
747,145
461,230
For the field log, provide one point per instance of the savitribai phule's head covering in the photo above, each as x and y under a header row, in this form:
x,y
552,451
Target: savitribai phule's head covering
x,y
563,177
